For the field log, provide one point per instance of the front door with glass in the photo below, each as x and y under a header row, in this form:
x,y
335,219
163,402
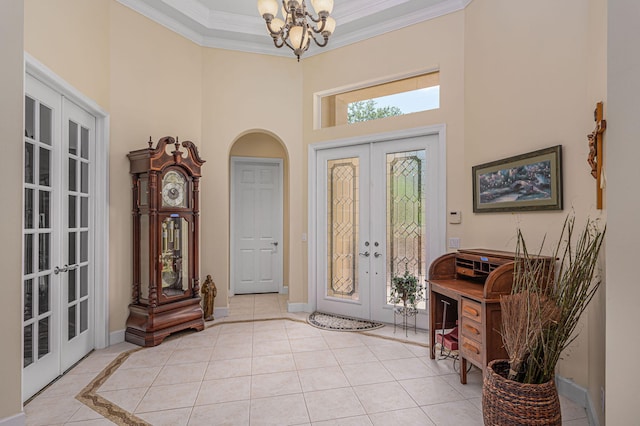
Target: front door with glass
x,y
377,214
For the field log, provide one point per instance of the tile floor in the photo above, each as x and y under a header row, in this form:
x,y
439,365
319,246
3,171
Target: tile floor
x,y
280,371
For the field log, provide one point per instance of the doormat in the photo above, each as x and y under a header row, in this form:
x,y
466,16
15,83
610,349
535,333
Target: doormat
x,y
340,323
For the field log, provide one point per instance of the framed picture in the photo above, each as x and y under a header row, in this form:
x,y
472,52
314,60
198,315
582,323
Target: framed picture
x,y
531,181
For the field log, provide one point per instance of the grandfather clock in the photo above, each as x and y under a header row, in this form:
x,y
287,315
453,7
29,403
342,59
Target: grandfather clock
x,y
165,241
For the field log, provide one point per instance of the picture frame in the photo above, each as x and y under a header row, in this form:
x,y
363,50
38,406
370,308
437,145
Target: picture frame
x,y
526,182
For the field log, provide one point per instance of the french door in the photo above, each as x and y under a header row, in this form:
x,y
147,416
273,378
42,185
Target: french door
x,y
377,214
256,225
58,237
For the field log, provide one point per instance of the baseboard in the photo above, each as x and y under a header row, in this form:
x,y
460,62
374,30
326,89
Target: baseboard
x,y
284,289
116,337
16,420
220,312
579,395
298,307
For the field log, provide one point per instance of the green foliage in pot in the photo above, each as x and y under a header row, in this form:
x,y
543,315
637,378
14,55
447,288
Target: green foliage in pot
x,y
406,290
538,319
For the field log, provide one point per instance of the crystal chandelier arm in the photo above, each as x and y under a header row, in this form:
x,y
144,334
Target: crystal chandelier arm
x,y
322,18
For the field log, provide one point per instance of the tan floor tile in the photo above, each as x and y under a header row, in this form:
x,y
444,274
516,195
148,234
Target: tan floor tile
x,y
366,373
391,351
204,338
347,421
231,351
410,368
456,413
48,411
181,373
224,390
332,404
237,328
274,384
85,413
190,355
225,368
147,358
431,390
168,397
314,359
279,411
314,379
407,416
127,399
234,413
355,355
272,364
176,417
131,378
380,397
342,339
271,347
571,410
268,335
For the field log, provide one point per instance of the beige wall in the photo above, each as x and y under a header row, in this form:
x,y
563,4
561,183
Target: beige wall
x,y
514,78
11,119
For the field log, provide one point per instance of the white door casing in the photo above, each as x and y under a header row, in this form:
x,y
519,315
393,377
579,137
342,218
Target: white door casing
x,y
256,225
428,139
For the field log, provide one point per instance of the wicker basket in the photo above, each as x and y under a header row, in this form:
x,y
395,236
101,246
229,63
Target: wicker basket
x,y
506,402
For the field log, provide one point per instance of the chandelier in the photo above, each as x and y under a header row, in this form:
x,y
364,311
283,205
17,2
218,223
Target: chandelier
x,y
299,26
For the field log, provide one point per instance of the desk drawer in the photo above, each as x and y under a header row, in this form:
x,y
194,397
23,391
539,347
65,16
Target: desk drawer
x,y
472,309
471,329
471,350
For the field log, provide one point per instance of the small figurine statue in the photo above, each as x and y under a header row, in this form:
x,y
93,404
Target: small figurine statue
x,y
209,293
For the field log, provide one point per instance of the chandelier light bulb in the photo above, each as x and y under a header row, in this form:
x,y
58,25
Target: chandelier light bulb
x,y
267,7
321,6
329,26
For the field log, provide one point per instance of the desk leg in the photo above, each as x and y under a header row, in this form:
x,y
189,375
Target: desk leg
x,y
463,370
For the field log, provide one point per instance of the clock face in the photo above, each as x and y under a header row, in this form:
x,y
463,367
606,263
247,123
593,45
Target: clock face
x,y
173,189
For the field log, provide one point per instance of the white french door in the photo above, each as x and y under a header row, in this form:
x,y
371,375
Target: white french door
x,y
256,225
377,216
58,237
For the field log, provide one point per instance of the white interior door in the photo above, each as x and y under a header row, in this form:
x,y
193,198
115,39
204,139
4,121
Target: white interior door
x,y
378,215
57,228
256,223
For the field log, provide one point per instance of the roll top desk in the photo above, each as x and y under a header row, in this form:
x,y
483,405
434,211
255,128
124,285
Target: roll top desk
x,y
471,281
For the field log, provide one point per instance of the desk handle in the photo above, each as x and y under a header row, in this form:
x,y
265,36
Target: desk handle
x,y
471,329
471,348
471,311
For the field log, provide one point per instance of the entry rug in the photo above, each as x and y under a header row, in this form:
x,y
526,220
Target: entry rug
x,y
340,323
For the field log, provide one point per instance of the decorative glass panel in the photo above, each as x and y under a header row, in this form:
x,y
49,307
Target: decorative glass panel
x,y
29,117
84,281
44,208
72,285
73,138
84,246
45,170
44,295
84,212
28,299
28,254
342,238
43,337
175,256
84,178
84,143
406,222
71,326
44,251
28,345
73,164
28,162
84,315
72,248
28,208
45,124
72,211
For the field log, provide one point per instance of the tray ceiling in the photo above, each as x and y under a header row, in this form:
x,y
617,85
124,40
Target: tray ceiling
x,y
236,24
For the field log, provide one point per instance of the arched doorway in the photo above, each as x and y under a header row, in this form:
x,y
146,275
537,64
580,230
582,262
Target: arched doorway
x,y
259,191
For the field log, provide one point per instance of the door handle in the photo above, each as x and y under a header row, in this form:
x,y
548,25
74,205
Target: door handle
x,y
376,254
365,254
65,268
275,244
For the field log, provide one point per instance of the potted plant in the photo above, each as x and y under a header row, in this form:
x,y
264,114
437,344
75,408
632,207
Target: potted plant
x,y
406,290
539,320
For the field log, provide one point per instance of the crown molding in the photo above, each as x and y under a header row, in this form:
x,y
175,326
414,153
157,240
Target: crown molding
x,y
206,20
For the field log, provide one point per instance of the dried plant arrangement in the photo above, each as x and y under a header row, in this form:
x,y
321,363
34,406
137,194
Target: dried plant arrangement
x,y
540,316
